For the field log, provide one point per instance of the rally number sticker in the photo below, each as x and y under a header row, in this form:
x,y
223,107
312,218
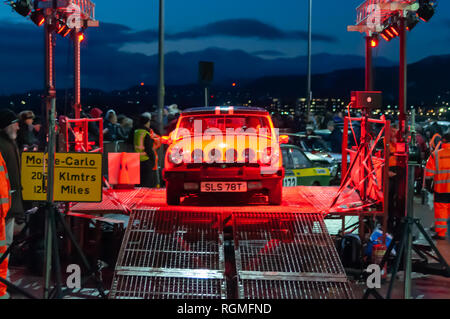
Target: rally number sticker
x,y
290,181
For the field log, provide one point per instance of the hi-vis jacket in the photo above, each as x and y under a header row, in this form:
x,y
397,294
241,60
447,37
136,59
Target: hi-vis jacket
x,y
5,205
139,145
438,166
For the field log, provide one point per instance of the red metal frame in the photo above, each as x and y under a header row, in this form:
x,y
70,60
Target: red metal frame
x,y
84,145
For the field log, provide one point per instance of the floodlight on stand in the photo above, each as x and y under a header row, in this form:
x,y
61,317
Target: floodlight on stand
x,y
426,10
411,21
395,30
22,7
37,17
386,35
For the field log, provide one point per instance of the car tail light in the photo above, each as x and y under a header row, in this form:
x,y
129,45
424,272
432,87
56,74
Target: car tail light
x,y
214,155
231,156
249,155
176,155
197,156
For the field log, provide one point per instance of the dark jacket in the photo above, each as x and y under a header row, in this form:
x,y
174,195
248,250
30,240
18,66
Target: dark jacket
x,y
335,140
112,135
10,153
25,136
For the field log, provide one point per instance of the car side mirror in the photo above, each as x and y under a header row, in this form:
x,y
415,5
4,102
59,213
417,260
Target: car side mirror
x,y
283,139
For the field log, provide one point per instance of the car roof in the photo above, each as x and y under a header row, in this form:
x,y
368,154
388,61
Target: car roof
x,y
225,110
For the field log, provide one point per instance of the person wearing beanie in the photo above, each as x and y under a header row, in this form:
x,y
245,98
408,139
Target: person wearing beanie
x,y
9,127
96,113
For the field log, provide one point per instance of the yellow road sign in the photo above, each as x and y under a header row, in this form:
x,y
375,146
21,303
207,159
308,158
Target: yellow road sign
x,y
78,177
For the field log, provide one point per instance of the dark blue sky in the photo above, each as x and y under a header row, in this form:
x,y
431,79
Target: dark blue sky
x,y
330,20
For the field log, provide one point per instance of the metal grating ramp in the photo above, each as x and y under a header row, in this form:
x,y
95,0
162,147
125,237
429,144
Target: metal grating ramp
x,y
286,255
171,255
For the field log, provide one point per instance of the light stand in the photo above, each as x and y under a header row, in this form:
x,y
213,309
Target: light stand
x,y
51,212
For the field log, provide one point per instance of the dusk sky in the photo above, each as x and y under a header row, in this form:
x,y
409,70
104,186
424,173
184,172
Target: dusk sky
x,y
274,28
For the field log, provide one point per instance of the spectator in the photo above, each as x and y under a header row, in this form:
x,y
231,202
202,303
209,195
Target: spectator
x,y
125,128
335,138
93,127
144,145
110,127
8,134
26,139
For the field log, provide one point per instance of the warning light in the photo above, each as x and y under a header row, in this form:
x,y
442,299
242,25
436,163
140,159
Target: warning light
x,y
234,84
212,96
374,42
37,17
66,32
142,83
81,37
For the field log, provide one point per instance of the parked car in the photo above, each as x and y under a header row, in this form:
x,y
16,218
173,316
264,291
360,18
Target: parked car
x,y
300,170
197,162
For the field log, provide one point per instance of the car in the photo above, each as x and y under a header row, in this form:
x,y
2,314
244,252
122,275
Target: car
x,y
319,154
300,170
229,149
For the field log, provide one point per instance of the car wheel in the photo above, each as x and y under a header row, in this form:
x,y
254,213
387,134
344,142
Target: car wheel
x,y
172,197
276,194
316,183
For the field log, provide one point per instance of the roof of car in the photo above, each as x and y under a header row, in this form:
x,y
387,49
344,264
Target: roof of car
x,y
225,110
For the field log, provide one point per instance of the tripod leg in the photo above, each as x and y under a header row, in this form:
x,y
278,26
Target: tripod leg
x,y
433,246
91,271
398,258
15,288
56,260
13,244
48,250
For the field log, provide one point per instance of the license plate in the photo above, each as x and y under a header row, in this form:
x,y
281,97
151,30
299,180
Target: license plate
x,y
217,187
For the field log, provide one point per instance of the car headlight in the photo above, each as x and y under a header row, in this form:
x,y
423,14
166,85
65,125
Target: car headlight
x,y
249,155
269,156
231,156
176,155
197,156
214,156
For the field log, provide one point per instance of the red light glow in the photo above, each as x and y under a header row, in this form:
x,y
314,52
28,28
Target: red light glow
x,y
374,43
384,37
234,84
41,22
81,38
389,33
142,83
393,30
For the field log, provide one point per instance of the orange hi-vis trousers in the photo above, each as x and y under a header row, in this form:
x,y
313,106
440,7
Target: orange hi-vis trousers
x,y
441,214
4,264
438,168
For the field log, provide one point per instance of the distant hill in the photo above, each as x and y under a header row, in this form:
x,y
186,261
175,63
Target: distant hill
x,y
427,79
116,69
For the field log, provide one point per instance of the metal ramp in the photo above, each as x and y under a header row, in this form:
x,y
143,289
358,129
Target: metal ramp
x,y
171,255
289,256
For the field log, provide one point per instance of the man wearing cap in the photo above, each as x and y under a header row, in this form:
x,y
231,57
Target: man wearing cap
x,y
9,127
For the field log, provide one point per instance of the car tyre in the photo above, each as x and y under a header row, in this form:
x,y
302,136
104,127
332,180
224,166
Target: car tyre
x,y
276,194
172,196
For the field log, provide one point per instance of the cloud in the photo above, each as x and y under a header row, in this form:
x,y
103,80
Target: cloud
x,y
246,28
114,34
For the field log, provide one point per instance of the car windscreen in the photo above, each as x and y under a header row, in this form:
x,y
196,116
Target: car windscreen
x,y
199,124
